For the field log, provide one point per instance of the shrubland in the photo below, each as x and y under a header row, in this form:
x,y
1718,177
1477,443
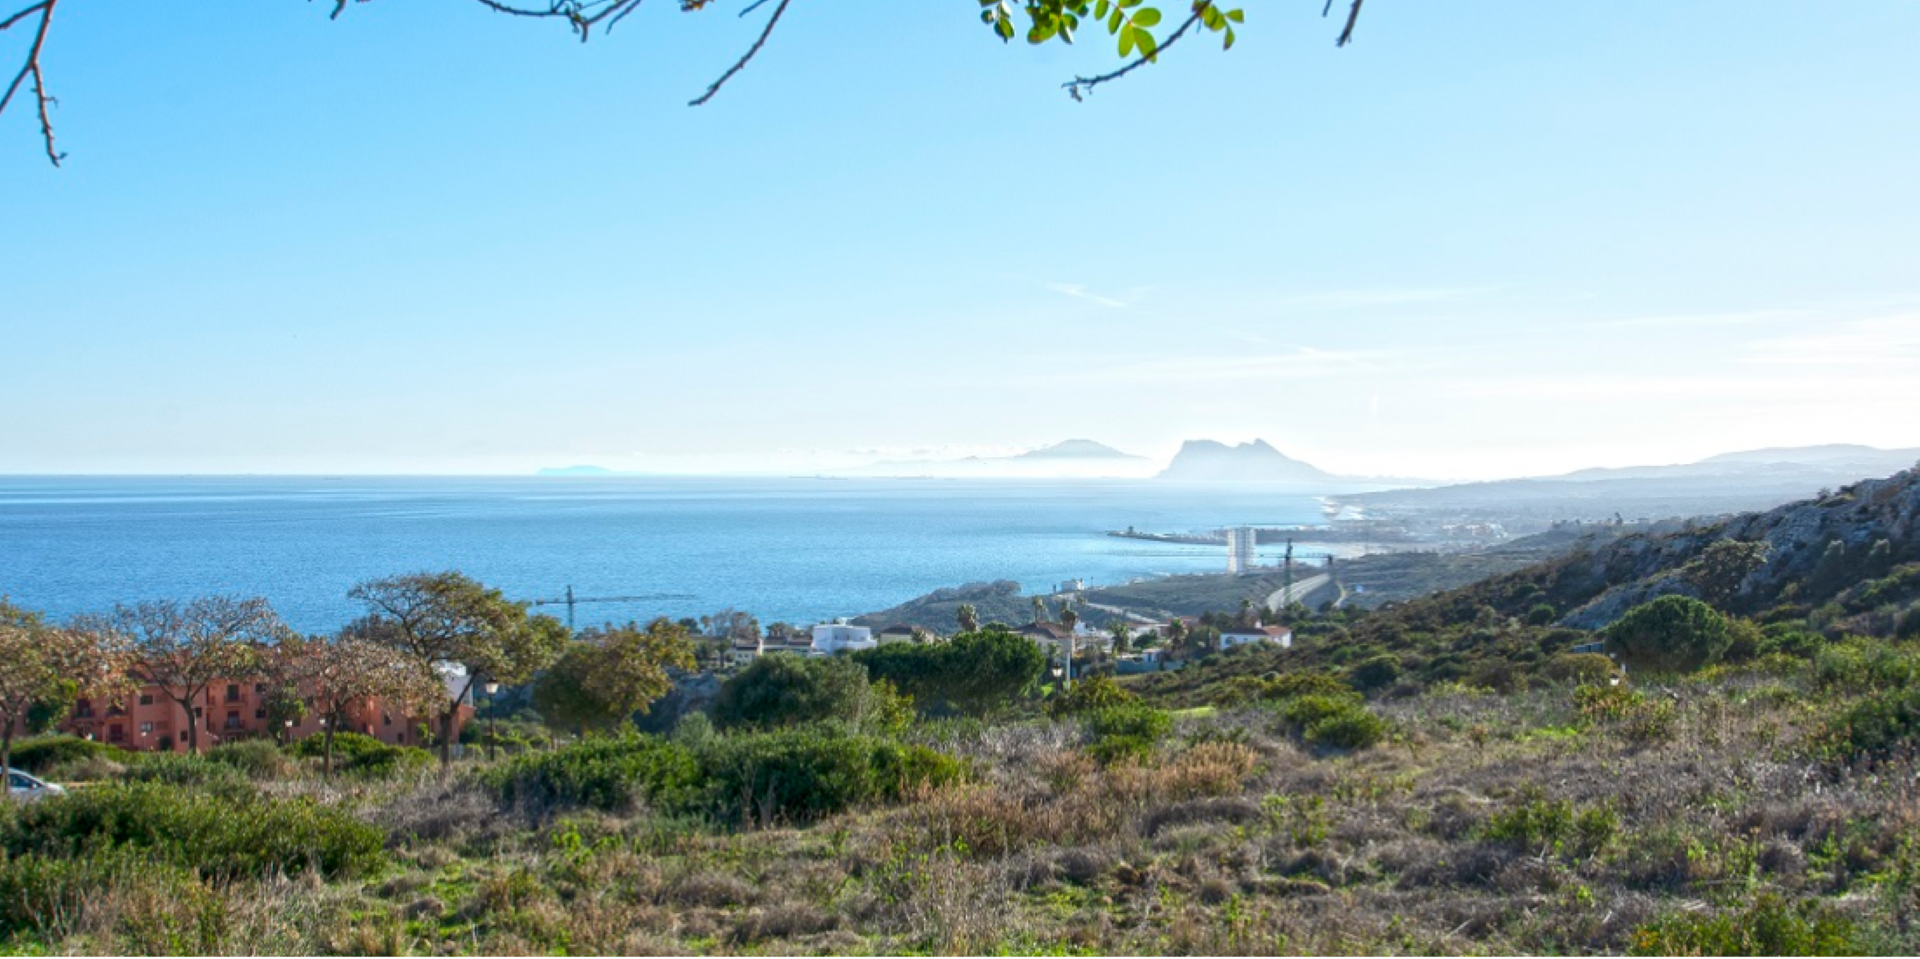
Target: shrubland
x,y
1442,776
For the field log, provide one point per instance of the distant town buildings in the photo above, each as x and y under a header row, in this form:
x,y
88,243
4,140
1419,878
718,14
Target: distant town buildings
x,y
149,720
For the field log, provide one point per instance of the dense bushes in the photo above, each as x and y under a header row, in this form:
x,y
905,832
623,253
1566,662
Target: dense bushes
x,y
786,690
1540,826
1878,726
43,753
1126,731
797,774
362,755
177,770
257,758
973,672
810,771
1334,720
218,836
173,912
1768,927
1671,634
610,774
1354,728
1090,695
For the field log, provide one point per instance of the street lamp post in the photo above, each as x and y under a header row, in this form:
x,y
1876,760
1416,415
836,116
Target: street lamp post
x,y
492,688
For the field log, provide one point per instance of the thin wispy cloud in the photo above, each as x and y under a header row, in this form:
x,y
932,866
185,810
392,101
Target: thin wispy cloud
x,y
1302,362
1079,292
1362,299
1882,343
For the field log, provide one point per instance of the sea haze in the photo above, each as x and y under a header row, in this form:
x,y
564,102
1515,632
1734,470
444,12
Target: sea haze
x,y
794,549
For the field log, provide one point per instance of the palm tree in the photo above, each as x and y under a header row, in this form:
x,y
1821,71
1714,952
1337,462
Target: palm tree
x,y
1177,638
1122,636
969,617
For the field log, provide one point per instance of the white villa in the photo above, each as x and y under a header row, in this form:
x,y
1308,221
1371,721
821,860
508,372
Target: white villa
x,y
838,637
1242,635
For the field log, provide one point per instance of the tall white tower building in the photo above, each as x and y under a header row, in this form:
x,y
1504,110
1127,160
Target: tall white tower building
x,y
1240,542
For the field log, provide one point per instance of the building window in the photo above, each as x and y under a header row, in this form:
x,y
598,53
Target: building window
x,y
198,712
146,729
233,719
146,699
259,689
260,713
116,734
233,692
83,709
386,719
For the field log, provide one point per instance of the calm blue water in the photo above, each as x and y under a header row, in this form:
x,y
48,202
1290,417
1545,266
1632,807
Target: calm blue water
x,y
792,549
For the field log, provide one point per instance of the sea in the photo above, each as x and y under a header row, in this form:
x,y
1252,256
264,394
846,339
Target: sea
x,y
796,549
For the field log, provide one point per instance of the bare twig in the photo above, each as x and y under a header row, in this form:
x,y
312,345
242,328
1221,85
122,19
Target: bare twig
x,y
741,64
1353,17
30,69
1079,86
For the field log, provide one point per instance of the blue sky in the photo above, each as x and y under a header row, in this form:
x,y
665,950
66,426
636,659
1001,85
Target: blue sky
x,y
1489,239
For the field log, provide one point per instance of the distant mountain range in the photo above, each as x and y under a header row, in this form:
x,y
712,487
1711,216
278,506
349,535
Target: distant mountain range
x,y
1834,462
1073,459
1751,480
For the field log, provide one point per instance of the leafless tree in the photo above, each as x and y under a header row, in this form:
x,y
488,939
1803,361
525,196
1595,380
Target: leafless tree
x,y
585,17
185,648
345,675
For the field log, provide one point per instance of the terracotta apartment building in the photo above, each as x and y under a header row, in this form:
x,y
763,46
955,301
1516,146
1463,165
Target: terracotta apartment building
x,y
148,720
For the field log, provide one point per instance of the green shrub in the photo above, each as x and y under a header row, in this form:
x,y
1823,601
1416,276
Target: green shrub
x,y
1302,712
1540,826
1671,634
42,753
974,672
1579,669
1639,719
1375,672
1769,927
1089,695
1862,665
196,772
1130,731
176,913
1355,729
257,758
609,774
806,772
357,754
220,837
788,690
1786,639
795,774
1878,726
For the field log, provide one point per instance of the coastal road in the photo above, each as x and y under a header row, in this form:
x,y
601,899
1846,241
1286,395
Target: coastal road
x,y
1302,588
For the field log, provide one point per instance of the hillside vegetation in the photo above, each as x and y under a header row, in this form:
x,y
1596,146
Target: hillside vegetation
x,y
1442,776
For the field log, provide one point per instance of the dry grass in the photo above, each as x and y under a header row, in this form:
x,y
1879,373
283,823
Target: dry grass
x,y
1229,841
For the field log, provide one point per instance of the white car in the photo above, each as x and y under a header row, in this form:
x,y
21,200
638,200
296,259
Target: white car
x,y
24,787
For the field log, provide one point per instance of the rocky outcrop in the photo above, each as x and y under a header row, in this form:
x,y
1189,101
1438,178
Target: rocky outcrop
x,y
1814,550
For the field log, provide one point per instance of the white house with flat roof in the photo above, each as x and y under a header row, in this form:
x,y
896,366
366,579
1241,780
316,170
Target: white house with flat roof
x,y
839,637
